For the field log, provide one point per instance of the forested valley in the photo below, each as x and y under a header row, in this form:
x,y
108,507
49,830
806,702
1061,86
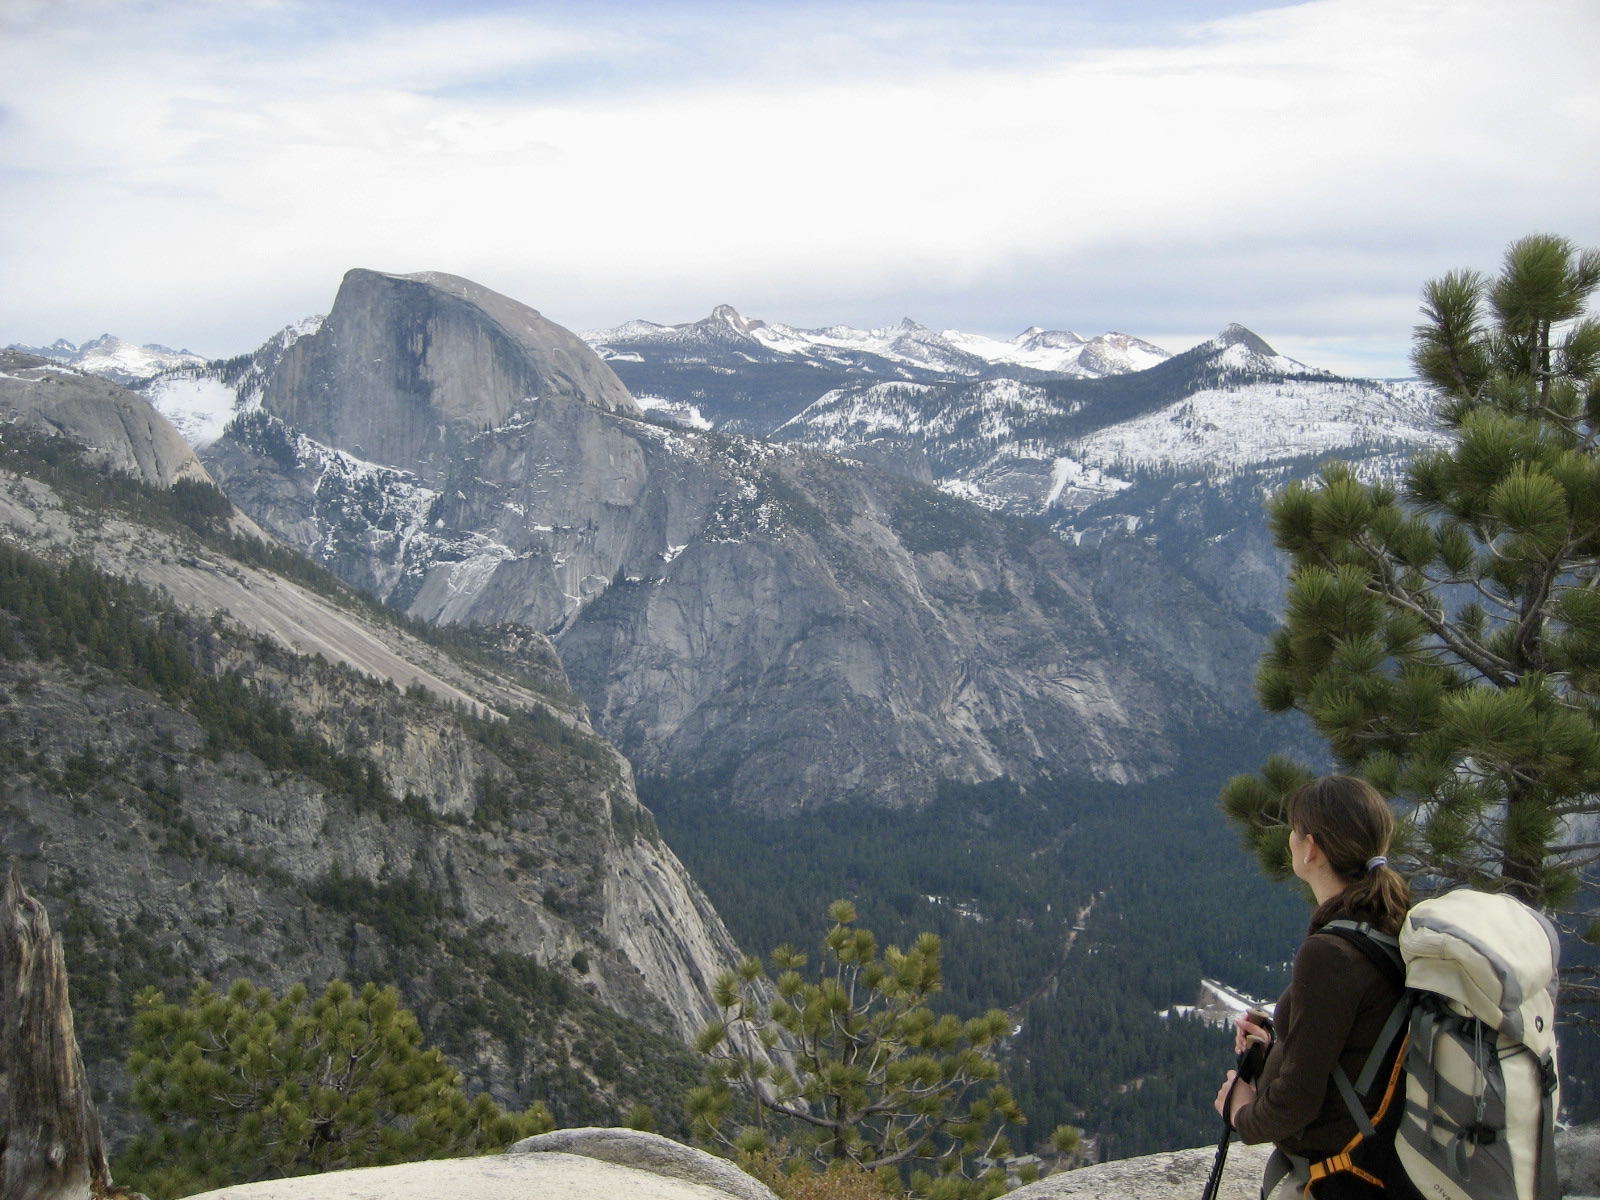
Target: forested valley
x,y
1001,876
1167,897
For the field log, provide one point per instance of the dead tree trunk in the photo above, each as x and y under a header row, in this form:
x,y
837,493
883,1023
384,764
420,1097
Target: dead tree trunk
x,y
50,1147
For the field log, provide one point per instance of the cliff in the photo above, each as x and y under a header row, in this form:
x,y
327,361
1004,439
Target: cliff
x,y
777,626
219,762
407,367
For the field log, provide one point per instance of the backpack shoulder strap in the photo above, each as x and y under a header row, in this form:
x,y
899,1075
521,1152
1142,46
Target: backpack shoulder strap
x,y
1381,950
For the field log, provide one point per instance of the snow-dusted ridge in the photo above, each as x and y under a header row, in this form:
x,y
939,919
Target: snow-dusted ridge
x,y
1264,421
114,359
201,398
951,351
1038,447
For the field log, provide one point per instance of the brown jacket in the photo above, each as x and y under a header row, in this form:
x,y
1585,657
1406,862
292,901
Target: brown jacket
x,y
1332,1012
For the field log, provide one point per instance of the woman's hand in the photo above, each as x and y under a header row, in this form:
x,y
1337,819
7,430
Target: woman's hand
x,y
1242,1094
1245,1031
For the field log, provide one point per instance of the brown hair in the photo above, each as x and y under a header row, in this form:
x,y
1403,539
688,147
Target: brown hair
x,y
1352,823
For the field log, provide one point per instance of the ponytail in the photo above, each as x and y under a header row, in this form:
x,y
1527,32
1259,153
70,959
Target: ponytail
x,y
1380,898
1352,823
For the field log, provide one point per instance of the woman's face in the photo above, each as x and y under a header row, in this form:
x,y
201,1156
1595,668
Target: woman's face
x,y
1297,852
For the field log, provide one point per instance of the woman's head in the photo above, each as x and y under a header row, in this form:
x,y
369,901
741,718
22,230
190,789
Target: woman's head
x,y
1351,823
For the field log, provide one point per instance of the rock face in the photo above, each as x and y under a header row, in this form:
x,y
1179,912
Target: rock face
x,y
272,779
631,1163
121,430
649,1152
1180,1175
785,627
408,367
1578,1157
494,1177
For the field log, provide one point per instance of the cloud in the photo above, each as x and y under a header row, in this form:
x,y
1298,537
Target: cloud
x,y
1303,166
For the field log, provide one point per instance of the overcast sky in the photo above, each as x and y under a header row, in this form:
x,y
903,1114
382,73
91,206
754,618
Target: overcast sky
x,y
202,172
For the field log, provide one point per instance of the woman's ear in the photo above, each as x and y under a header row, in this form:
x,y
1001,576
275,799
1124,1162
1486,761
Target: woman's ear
x,y
1309,850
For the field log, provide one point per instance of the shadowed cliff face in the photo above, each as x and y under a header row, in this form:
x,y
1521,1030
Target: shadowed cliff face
x,y
407,367
785,627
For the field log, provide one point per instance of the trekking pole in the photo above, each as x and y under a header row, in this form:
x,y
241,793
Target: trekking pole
x,y
1247,1066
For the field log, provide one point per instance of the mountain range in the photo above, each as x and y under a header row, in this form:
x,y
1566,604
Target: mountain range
x,y
749,376
786,626
997,600
114,359
1054,562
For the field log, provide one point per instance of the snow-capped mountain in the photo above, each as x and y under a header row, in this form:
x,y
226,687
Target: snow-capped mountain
x,y
1062,352
784,627
1106,437
1231,404
114,359
1183,453
202,397
750,376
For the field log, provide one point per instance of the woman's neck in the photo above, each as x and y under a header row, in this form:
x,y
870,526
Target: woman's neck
x,y
1325,885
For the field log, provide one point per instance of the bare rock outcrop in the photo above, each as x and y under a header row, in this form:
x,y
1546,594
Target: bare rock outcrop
x,y
1175,1175
408,367
448,822
495,1177
117,426
649,1152
1182,1174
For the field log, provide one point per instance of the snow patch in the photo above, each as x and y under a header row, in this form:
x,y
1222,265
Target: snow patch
x,y
198,407
1264,422
1069,473
678,412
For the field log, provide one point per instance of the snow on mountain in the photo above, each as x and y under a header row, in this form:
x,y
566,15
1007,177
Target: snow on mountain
x,y
114,359
198,406
994,411
1262,422
200,398
1231,404
675,411
1062,352
1118,354
951,352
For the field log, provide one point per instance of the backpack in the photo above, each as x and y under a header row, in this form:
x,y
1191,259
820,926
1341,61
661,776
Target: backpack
x,y
1468,1110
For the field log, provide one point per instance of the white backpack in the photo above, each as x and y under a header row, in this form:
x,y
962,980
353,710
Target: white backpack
x,y
1481,1082
1469,1056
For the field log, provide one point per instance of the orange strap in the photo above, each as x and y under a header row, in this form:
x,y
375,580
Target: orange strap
x,y
1341,1161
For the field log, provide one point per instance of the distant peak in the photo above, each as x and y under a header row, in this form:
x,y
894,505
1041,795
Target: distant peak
x,y
728,315
907,325
1039,338
1238,335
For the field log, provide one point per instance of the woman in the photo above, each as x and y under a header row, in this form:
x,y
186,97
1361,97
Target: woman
x,y
1338,999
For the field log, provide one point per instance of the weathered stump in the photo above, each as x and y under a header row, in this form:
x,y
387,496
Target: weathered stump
x,y
50,1146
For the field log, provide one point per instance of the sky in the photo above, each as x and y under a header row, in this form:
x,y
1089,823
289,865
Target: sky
x,y
200,173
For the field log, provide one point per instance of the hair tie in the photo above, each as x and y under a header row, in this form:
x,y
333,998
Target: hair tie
x,y
1374,863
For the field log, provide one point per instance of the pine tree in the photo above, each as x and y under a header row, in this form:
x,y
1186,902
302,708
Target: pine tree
x,y
249,1086
1443,635
853,1067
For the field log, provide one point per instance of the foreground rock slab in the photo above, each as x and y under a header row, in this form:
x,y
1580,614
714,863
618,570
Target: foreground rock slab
x,y
649,1152
548,1176
1180,1175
